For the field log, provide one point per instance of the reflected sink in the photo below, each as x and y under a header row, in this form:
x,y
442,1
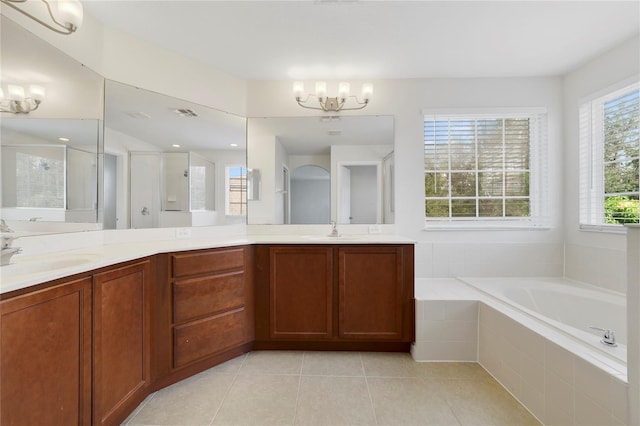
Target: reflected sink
x,y
47,263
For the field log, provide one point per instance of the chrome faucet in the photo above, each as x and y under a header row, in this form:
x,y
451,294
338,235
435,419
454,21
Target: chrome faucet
x,y
334,229
6,251
608,337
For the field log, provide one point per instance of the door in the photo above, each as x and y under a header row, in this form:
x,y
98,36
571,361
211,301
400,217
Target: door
x,y
344,204
301,292
370,293
45,356
121,349
144,189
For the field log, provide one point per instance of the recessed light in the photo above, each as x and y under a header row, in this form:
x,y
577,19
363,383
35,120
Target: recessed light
x,y
233,144
63,139
175,145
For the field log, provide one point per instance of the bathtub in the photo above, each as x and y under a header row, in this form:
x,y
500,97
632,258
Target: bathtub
x,y
567,306
532,336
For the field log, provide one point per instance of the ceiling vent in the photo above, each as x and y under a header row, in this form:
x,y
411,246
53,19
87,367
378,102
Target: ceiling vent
x,y
185,112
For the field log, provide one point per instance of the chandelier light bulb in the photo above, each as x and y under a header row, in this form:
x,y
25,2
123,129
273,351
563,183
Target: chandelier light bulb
x,y
343,90
70,12
367,91
321,89
298,89
37,93
16,93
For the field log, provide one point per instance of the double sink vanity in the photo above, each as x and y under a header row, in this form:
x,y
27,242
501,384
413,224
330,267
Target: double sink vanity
x,y
87,337
86,334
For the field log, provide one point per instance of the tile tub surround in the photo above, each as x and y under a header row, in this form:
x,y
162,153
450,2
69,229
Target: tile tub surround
x,y
559,386
333,388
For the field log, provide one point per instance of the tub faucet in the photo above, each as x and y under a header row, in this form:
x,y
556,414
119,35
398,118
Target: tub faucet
x,y
334,230
608,338
6,251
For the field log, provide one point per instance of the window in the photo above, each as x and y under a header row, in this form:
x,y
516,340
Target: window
x,y
609,152
236,191
482,168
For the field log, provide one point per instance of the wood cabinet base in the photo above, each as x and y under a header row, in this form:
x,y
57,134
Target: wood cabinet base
x,y
309,345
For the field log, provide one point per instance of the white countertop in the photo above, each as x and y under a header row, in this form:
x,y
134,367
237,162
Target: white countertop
x,y
27,270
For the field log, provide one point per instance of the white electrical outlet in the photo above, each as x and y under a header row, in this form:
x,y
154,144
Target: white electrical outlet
x,y
183,232
375,229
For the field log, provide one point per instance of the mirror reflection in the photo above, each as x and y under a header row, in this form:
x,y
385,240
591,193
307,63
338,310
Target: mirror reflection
x,y
50,136
171,163
315,170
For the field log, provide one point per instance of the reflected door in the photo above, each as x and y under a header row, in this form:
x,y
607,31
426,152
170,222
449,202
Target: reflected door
x,y
145,189
344,215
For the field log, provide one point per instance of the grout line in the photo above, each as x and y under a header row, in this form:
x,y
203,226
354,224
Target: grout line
x,y
366,380
140,407
295,411
235,377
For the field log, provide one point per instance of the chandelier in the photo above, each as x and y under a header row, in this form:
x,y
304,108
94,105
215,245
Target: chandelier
x,y
69,14
328,103
18,102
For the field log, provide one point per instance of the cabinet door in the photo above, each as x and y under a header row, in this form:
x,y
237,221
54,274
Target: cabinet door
x,y
301,292
121,340
371,288
45,356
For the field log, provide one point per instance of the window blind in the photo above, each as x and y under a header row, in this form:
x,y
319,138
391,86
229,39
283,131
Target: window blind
x,y
609,157
479,167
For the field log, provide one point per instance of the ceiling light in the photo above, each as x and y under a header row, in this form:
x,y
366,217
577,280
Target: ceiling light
x,y
18,101
233,144
337,103
69,14
175,145
63,139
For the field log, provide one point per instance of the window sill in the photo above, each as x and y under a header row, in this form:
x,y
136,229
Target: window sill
x,y
607,229
483,227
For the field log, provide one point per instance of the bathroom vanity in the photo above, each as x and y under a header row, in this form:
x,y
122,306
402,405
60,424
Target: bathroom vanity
x,y
87,348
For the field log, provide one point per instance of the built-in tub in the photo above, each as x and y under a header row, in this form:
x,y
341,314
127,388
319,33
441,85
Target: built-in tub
x,y
552,363
568,306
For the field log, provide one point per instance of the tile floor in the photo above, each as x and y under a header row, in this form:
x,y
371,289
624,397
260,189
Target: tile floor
x,y
333,388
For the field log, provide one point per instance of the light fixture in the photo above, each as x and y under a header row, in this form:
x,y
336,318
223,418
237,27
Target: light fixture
x,y
18,102
69,14
337,103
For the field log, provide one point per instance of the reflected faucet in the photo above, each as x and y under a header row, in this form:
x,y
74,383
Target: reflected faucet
x,y
6,251
334,230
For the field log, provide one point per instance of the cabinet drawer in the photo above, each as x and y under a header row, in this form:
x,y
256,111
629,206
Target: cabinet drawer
x,y
207,261
198,297
208,336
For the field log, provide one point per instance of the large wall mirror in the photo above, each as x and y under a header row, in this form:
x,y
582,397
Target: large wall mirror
x,y
171,163
314,170
50,155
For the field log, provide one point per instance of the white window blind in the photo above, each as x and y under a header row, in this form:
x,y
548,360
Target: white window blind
x,y
484,168
609,156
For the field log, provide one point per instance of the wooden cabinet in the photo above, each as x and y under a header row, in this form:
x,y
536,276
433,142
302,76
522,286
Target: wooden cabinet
x,y
301,289
45,356
354,297
121,324
212,303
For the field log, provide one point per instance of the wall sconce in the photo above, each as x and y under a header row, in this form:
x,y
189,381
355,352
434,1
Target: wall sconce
x,y
337,103
17,102
69,14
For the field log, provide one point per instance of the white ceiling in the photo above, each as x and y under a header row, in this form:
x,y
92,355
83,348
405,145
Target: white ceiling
x,y
333,39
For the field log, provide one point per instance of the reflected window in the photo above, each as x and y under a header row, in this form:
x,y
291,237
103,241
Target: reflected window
x,y
33,176
236,191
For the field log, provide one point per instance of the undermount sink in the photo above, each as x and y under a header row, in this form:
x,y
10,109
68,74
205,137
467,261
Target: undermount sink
x,y
330,238
47,263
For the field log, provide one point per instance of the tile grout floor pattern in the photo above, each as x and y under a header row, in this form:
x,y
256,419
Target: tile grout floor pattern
x,y
333,389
